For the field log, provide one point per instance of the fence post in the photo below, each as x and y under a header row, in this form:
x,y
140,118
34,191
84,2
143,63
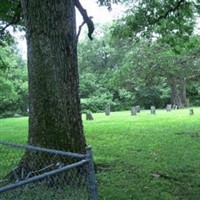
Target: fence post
x,y
91,175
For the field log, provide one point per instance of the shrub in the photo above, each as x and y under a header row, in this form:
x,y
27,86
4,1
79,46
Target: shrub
x,y
96,103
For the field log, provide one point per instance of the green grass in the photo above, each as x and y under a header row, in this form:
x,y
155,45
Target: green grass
x,y
129,150
38,191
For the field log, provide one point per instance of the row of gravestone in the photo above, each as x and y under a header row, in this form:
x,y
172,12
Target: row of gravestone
x,y
135,110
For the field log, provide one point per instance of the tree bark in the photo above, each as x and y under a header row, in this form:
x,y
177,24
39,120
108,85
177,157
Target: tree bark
x,y
54,103
175,93
183,91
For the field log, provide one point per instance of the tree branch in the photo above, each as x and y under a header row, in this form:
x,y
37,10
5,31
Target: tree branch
x,y
3,66
15,19
86,19
80,28
193,57
172,9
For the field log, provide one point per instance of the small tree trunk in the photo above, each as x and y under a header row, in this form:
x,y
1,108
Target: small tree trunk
x,y
178,91
183,91
175,96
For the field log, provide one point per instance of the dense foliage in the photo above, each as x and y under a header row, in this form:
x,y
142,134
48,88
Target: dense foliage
x,y
126,72
154,54
149,57
13,83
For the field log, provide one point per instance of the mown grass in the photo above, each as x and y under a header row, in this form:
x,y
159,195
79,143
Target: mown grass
x,y
144,157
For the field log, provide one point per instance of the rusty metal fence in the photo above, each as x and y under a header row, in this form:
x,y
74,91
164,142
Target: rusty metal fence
x,y
28,172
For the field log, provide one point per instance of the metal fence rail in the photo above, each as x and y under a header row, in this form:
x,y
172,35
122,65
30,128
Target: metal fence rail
x,y
28,172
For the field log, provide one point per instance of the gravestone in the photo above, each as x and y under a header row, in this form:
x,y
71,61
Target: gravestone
x,y
137,109
169,107
16,115
89,116
133,111
191,111
153,110
107,110
175,107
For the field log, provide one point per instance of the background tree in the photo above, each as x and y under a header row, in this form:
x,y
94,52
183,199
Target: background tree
x,y
154,70
13,84
171,23
97,64
137,72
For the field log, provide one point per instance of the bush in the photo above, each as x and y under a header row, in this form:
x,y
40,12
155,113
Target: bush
x,y
96,103
7,114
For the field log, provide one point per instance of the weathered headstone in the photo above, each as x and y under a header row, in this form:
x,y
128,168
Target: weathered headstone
x,y
191,111
169,107
153,110
137,109
175,107
133,111
89,116
16,115
107,110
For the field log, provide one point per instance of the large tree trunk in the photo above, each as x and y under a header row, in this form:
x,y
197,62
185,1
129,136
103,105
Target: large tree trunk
x,y
178,91
54,104
183,91
175,96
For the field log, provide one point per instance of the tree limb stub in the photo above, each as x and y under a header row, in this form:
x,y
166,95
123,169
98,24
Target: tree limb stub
x,y
80,28
86,19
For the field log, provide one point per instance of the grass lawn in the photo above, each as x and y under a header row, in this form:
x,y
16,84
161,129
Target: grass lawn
x,y
143,157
